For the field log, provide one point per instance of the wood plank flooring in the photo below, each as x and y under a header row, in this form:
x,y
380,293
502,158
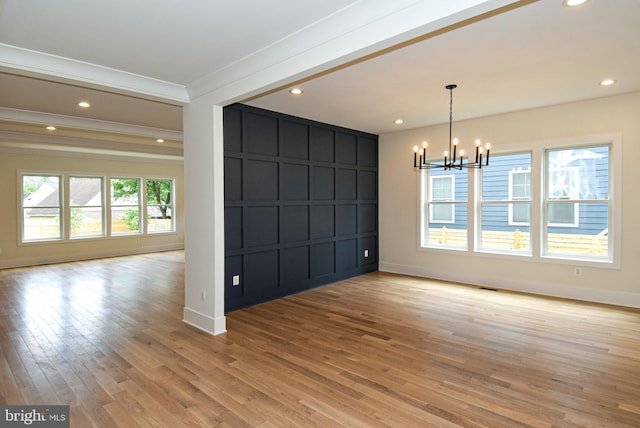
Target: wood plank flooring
x,y
380,350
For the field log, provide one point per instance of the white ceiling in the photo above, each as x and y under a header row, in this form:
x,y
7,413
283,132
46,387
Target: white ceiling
x,y
140,62
536,55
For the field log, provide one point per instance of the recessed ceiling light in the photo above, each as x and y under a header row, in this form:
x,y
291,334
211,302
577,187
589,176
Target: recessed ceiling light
x,y
50,128
607,82
295,91
159,140
399,121
573,3
84,104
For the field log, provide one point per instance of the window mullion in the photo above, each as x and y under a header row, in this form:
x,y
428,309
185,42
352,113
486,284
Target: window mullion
x,y
472,208
66,208
536,213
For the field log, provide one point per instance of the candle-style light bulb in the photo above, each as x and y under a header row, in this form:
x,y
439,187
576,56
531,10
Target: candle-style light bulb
x,y
477,142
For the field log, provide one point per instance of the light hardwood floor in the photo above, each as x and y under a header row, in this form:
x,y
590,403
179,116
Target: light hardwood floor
x,y
106,338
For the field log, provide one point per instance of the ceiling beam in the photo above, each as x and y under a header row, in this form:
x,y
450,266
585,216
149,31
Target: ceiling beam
x,y
355,32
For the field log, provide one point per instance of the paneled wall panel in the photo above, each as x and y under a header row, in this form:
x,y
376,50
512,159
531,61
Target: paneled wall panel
x,y
233,228
322,221
323,183
260,134
294,223
261,226
301,202
346,184
260,180
321,142
346,148
295,182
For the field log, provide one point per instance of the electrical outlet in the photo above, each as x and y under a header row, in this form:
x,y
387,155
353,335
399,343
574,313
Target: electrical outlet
x,y
235,280
366,253
578,271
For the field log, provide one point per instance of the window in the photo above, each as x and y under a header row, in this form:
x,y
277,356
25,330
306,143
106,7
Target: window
x,y
520,190
445,217
505,204
561,185
86,207
550,202
577,194
41,207
442,190
159,206
73,207
125,206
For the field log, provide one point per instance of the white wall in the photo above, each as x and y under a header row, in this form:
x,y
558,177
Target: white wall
x,y
399,250
13,160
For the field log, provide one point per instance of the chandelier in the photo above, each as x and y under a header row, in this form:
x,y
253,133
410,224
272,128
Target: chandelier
x,y
452,159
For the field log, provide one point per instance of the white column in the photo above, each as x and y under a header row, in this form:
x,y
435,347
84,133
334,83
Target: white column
x,y
204,216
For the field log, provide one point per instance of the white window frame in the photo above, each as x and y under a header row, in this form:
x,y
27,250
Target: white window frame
x,y
512,198
172,205
68,204
141,221
60,206
65,207
614,208
538,217
442,202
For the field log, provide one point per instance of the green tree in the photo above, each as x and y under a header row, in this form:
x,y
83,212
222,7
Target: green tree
x,y
132,218
77,216
121,188
158,192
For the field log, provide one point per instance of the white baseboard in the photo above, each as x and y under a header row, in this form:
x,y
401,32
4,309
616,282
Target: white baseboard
x,y
610,297
204,322
63,258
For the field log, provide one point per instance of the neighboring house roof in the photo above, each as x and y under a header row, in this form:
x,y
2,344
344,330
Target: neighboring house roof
x,y
47,196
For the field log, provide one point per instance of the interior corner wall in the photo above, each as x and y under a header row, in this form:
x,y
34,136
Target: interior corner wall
x,y
301,204
399,187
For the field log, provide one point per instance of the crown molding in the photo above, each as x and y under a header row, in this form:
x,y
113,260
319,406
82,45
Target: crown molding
x,y
26,116
16,60
29,143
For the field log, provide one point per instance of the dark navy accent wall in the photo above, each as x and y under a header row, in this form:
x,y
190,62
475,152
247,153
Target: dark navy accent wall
x,y
301,204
